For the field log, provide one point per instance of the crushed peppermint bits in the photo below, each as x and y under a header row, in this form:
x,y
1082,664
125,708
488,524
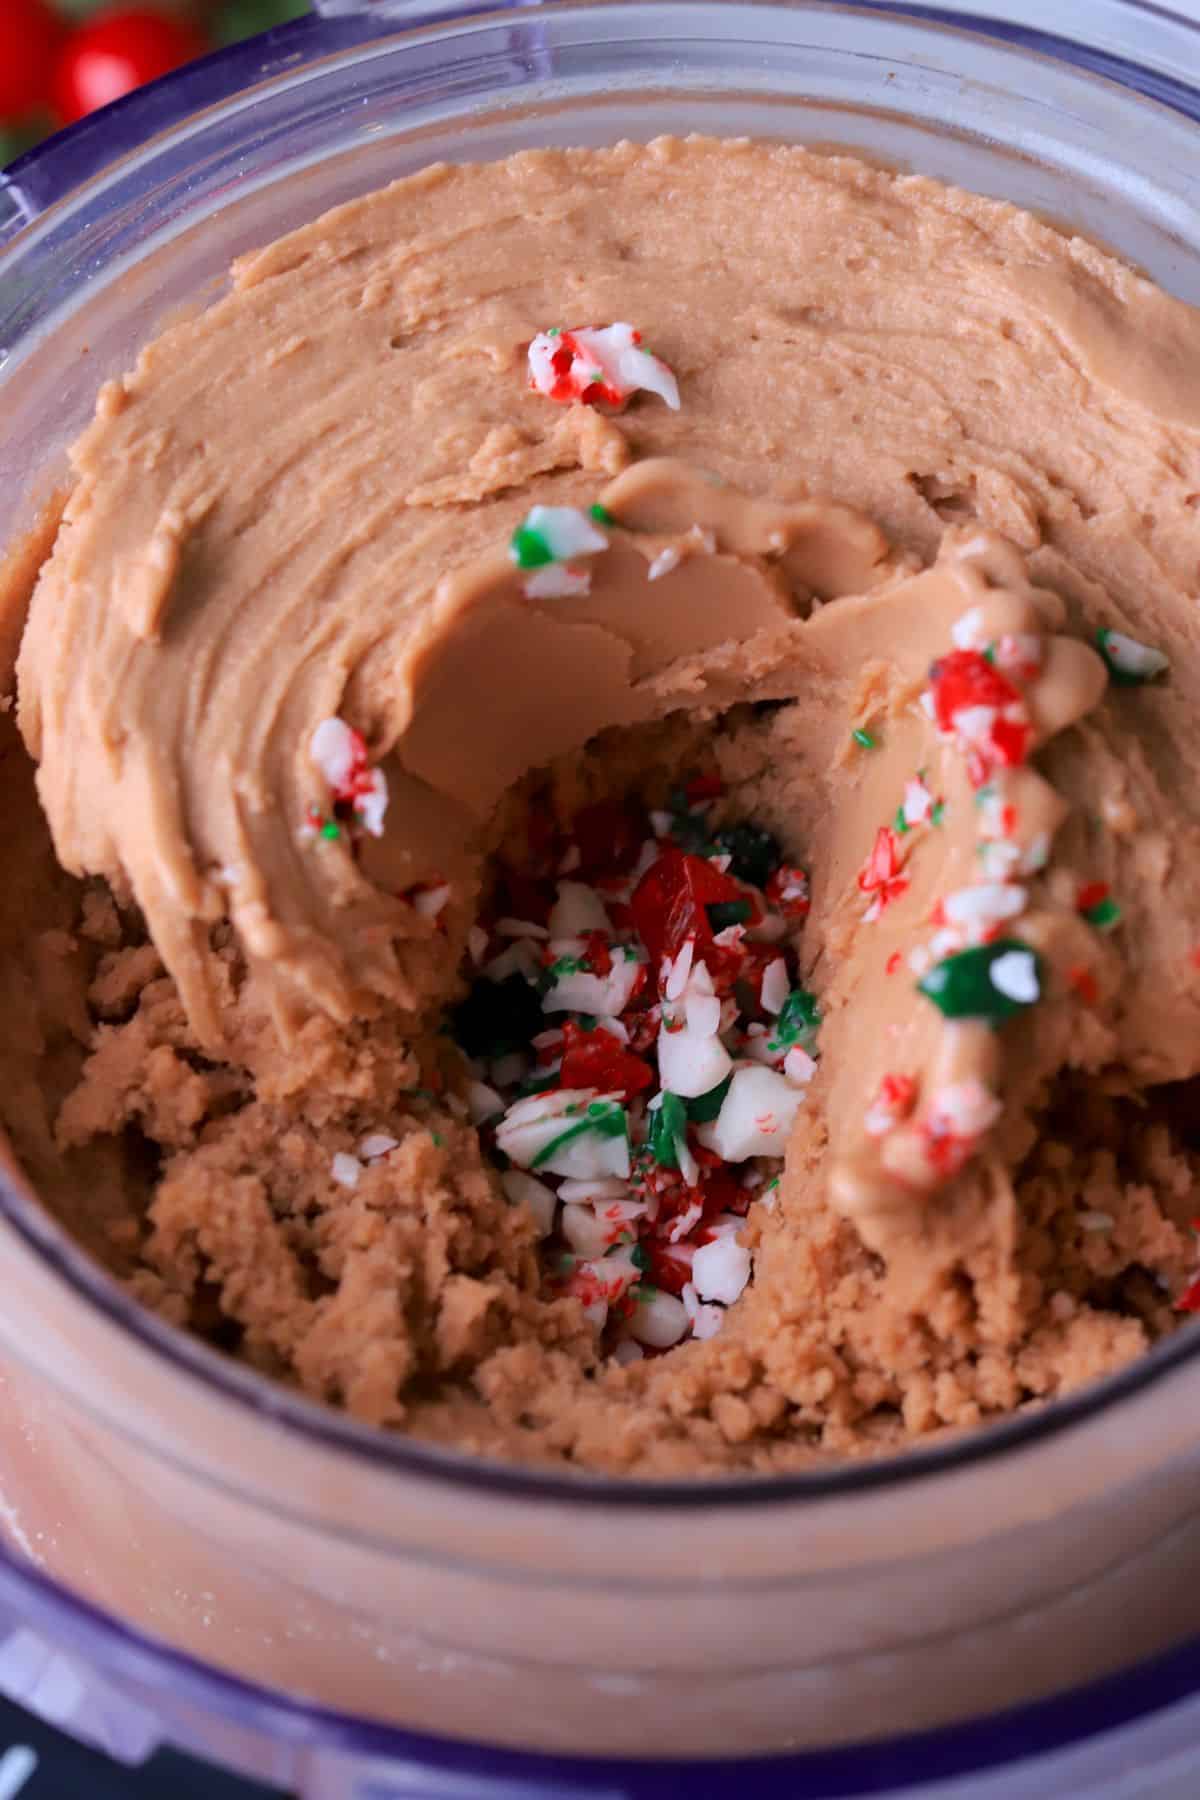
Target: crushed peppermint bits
x,y
601,365
639,1046
360,792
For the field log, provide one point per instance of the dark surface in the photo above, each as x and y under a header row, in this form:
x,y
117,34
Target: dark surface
x,y
67,1771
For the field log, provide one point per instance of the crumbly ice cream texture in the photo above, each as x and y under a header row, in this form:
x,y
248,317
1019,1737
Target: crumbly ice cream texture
x,y
296,507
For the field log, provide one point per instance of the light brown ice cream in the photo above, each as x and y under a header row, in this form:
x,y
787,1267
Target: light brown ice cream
x,y
298,506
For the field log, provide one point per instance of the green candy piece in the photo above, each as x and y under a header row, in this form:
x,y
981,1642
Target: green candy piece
x,y
529,549
722,913
962,987
864,739
798,1022
601,514
705,1107
1104,915
667,1124
603,1117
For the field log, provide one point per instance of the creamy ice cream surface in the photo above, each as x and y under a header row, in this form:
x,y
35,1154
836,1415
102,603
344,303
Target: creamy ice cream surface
x,y
851,585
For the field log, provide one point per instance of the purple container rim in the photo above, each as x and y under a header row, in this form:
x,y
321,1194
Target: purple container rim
x,y
1127,1697
64,163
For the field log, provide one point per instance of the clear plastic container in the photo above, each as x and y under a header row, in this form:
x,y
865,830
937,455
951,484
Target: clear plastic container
x,y
197,1555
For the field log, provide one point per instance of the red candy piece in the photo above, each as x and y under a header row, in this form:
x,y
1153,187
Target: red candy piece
x,y
669,901
597,1059
897,1093
880,874
570,386
609,838
704,787
1092,893
1189,1300
966,678
1084,984
789,893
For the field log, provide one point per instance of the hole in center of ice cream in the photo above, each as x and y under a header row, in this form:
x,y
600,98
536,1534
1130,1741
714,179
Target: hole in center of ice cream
x,y
639,1042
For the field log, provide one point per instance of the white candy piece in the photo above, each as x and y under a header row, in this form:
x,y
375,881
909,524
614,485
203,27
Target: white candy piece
x,y
775,985
918,802
678,973
372,804
378,1144
345,1169
690,1065
705,1321
799,1067
566,531
606,1188
756,1116
526,1190
554,582
587,1235
985,903
1015,976
614,1273
975,723
720,1270
530,1126
967,1108
577,910
1132,658
332,749
664,563
659,1321
970,632
618,359
588,993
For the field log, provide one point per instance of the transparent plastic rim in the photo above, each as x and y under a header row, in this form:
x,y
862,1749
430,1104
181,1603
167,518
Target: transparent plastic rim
x,y
853,1772
206,84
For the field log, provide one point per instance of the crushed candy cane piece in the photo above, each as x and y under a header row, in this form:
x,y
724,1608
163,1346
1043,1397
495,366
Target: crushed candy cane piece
x,y
378,1144
340,753
664,563
555,581
720,1270
881,873
894,1100
600,365
989,981
554,534
345,1169
1128,662
917,804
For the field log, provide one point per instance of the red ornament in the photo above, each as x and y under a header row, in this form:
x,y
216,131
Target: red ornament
x,y
116,52
30,36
